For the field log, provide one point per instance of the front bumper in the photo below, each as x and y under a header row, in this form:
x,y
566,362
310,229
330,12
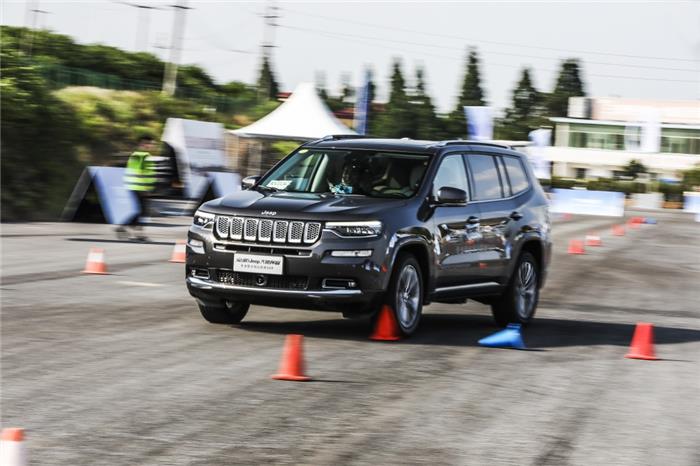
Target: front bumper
x,y
311,265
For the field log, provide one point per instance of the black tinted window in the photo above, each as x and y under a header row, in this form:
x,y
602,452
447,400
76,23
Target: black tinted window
x,y
516,174
486,182
451,174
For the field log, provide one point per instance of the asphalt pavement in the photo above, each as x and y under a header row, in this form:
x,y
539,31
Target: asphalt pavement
x,y
121,369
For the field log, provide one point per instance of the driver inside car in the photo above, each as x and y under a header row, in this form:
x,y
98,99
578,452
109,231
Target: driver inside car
x,y
353,175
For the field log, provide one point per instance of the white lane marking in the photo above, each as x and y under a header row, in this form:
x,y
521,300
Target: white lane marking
x,y
153,285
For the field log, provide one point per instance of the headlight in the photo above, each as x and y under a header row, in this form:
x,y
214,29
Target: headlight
x,y
355,229
202,219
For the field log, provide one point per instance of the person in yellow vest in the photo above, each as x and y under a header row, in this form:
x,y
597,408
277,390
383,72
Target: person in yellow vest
x,y
140,178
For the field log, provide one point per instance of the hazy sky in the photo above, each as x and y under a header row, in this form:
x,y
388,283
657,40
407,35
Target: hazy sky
x,y
629,49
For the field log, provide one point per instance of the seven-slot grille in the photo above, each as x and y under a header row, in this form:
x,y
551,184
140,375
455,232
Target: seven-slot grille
x,y
265,230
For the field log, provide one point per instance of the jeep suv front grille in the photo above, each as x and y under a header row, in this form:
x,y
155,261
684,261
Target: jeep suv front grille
x,y
265,230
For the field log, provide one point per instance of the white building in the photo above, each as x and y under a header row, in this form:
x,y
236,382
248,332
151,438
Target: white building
x,y
601,135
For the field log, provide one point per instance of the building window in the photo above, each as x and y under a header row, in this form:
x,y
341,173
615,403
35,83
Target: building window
x,y
580,173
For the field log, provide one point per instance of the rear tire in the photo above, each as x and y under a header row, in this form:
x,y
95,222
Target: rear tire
x,y
405,294
518,302
229,313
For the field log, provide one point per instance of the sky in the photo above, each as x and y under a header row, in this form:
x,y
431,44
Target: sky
x,y
627,49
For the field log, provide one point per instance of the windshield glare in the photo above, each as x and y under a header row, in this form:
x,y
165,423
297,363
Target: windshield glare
x,y
348,172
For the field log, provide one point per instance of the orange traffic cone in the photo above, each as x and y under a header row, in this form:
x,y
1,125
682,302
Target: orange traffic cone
x,y
386,328
576,247
593,240
618,230
642,346
96,262
178,252
12,452
634,222
292,363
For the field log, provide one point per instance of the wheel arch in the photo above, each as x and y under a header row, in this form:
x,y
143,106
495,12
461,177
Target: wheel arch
x,y
418,249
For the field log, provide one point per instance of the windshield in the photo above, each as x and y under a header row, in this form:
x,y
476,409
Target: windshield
x,y
349,172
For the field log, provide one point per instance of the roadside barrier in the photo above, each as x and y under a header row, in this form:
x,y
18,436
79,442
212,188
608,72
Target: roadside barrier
x,y
179,253
386,328
292,363
642,346
95,263
576,247
510,337
12,451
593,240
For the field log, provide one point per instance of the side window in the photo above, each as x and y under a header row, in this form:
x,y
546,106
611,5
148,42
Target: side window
x,y
486,182
451,174
516,174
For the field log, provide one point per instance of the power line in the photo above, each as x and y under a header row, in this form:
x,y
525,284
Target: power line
x,y
509,44
358,39
142,26
448,47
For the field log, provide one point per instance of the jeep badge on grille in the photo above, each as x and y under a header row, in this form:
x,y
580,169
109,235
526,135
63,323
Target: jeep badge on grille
x,y
268,212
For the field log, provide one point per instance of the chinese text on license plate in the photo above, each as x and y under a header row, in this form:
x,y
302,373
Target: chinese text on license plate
x,y
258,263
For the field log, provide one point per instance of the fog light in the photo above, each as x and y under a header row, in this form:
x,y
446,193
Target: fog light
x,y
195,243
352,253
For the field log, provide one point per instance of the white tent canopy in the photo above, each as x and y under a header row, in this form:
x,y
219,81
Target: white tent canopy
x,y
302,116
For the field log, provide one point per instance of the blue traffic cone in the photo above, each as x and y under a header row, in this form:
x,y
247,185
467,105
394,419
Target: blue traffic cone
x,y
650,221
509,337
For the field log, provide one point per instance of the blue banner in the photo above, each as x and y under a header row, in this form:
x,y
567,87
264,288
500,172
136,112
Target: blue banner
x,y
584,202
224,183
479,123
362,105
118,204
691,202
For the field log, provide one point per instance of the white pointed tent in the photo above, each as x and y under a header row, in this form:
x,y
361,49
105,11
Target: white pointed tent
x,y
303,116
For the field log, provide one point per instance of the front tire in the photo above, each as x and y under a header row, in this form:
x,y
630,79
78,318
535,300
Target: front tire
x,y
405,295
518,302
229,313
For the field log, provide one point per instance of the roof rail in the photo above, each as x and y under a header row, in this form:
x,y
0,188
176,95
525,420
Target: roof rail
x,y
335,137
463,142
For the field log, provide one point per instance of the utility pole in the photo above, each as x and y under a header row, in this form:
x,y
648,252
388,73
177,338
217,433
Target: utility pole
x,y
170,76
270,16
142,26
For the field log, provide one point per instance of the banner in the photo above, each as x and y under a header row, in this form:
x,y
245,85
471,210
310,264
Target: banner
x,y
540,138
100,196
199,147
691,202
479,122
645,135
583,202
362,104
652,201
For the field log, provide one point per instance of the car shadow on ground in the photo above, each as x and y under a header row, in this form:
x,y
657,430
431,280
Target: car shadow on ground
x,y
122,241
466,330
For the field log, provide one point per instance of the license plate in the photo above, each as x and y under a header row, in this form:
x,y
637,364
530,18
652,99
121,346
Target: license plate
x,y
258,263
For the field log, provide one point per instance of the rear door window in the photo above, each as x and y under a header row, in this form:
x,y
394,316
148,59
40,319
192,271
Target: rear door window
x,y
516,174
487,184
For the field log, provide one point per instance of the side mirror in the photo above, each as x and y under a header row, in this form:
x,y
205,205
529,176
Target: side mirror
x,y
249,181
451,196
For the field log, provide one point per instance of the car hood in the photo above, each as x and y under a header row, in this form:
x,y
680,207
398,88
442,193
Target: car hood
x,y
300,205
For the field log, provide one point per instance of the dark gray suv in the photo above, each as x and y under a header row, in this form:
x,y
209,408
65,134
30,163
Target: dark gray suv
x,y
348,224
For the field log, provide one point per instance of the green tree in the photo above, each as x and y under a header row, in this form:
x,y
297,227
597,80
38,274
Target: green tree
x,y
396,120
471,95
267,84
37,141
426,124
691,178
634,168
569,84
525,113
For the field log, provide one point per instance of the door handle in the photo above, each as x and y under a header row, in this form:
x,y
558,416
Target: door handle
x,y
473,220
515,215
